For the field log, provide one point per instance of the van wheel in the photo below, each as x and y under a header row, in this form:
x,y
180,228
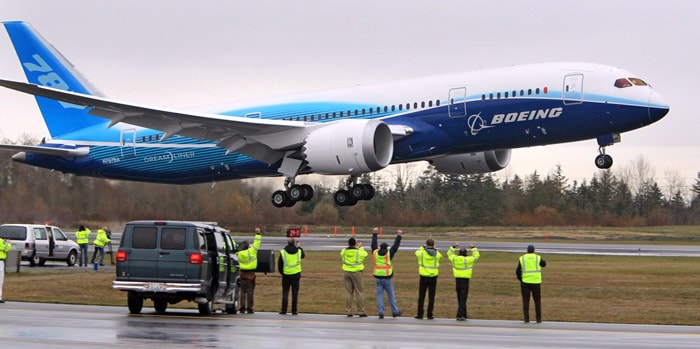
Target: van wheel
x,y
72,258
206,308
34,260
160,305
135,302
233,307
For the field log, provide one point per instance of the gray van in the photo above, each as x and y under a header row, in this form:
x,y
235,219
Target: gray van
x,y
38,243
174,261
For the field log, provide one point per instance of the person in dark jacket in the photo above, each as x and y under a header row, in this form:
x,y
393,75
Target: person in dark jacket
x,y
382,257
529,272
289,265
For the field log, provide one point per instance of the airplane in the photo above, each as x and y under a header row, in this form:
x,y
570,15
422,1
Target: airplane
x,y
464,123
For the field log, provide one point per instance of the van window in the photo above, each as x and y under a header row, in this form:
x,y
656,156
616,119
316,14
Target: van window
x,y
201,241
58,235
144,237
40,233
13,233
220,242
173,238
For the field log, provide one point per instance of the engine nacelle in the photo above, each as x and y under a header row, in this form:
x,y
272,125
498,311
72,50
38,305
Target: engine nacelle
x,y
471,163
349,147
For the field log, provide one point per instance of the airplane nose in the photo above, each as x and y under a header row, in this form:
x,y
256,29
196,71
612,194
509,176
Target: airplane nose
x,y
658,107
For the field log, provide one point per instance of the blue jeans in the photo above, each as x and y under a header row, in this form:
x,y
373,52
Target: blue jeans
x,y
388,286
83,255
101,251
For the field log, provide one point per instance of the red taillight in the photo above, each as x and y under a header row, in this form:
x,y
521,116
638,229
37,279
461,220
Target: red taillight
x,y
121,256
196,258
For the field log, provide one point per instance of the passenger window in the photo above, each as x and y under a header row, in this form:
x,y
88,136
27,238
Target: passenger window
x,y
40,233
201,242
173,238
144,237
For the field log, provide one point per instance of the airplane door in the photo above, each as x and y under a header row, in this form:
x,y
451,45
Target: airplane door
x,y
457,102
127,139
573,89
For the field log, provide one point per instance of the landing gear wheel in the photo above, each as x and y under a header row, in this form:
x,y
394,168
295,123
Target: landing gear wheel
x,y
370,192
296,193
280,198
603,161
344,198
135,302
359,191
307,192
160,305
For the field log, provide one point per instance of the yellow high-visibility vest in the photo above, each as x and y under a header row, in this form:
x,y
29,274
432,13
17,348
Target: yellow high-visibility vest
x,y
382,264
291,262
530,268
353,259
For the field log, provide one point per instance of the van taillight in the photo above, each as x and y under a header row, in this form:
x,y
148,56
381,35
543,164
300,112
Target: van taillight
x,y
196,258
121,256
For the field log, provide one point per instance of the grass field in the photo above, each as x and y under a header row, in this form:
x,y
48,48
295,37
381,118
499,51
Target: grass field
x,y
606,289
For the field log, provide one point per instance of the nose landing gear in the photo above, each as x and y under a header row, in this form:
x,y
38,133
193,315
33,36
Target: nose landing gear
x,y
603,161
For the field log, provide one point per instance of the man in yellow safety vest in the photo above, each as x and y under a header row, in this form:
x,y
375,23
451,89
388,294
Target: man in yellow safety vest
x,y
248,263
462,265
289,265
100,241
529,272
384,271
428,269
353,258
82,237
5,246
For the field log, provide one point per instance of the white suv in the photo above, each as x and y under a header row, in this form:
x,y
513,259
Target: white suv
x,y
39,243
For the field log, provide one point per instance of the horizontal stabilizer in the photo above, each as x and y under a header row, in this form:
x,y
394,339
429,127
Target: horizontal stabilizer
x,y
64,152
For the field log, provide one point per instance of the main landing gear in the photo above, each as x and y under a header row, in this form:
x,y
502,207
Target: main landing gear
x,y
304,192
354,193
603,161
292,194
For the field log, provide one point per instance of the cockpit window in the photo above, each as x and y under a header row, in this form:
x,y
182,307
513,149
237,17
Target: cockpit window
x,y
638,82
622,83
629,82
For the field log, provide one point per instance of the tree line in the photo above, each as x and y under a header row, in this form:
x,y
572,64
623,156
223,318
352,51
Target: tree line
x,y
34,195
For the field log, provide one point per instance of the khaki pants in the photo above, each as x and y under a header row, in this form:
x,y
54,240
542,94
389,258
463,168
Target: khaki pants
x,y
353,286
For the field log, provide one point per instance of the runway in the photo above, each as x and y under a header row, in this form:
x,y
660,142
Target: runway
x,y
33,325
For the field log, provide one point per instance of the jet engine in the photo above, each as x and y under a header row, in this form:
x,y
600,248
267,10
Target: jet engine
x,y
470,163
349,147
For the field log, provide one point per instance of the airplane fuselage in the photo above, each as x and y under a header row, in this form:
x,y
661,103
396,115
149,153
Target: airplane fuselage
x,y
513,107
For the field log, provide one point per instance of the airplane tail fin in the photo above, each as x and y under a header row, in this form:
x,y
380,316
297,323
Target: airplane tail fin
x,y
44,65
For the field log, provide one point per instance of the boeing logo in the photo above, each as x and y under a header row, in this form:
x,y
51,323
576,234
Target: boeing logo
x,y
527,115
477,123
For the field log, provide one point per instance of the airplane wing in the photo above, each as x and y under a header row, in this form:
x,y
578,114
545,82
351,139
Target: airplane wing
x,y
262,139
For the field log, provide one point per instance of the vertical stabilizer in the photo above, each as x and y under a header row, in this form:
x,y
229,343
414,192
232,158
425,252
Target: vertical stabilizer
x,y
44,65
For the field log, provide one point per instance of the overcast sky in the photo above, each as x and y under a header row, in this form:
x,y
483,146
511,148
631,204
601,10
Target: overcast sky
x,y
184,53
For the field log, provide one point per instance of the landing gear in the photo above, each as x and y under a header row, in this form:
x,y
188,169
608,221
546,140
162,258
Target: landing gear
x,y
292,194
603,161
354,193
